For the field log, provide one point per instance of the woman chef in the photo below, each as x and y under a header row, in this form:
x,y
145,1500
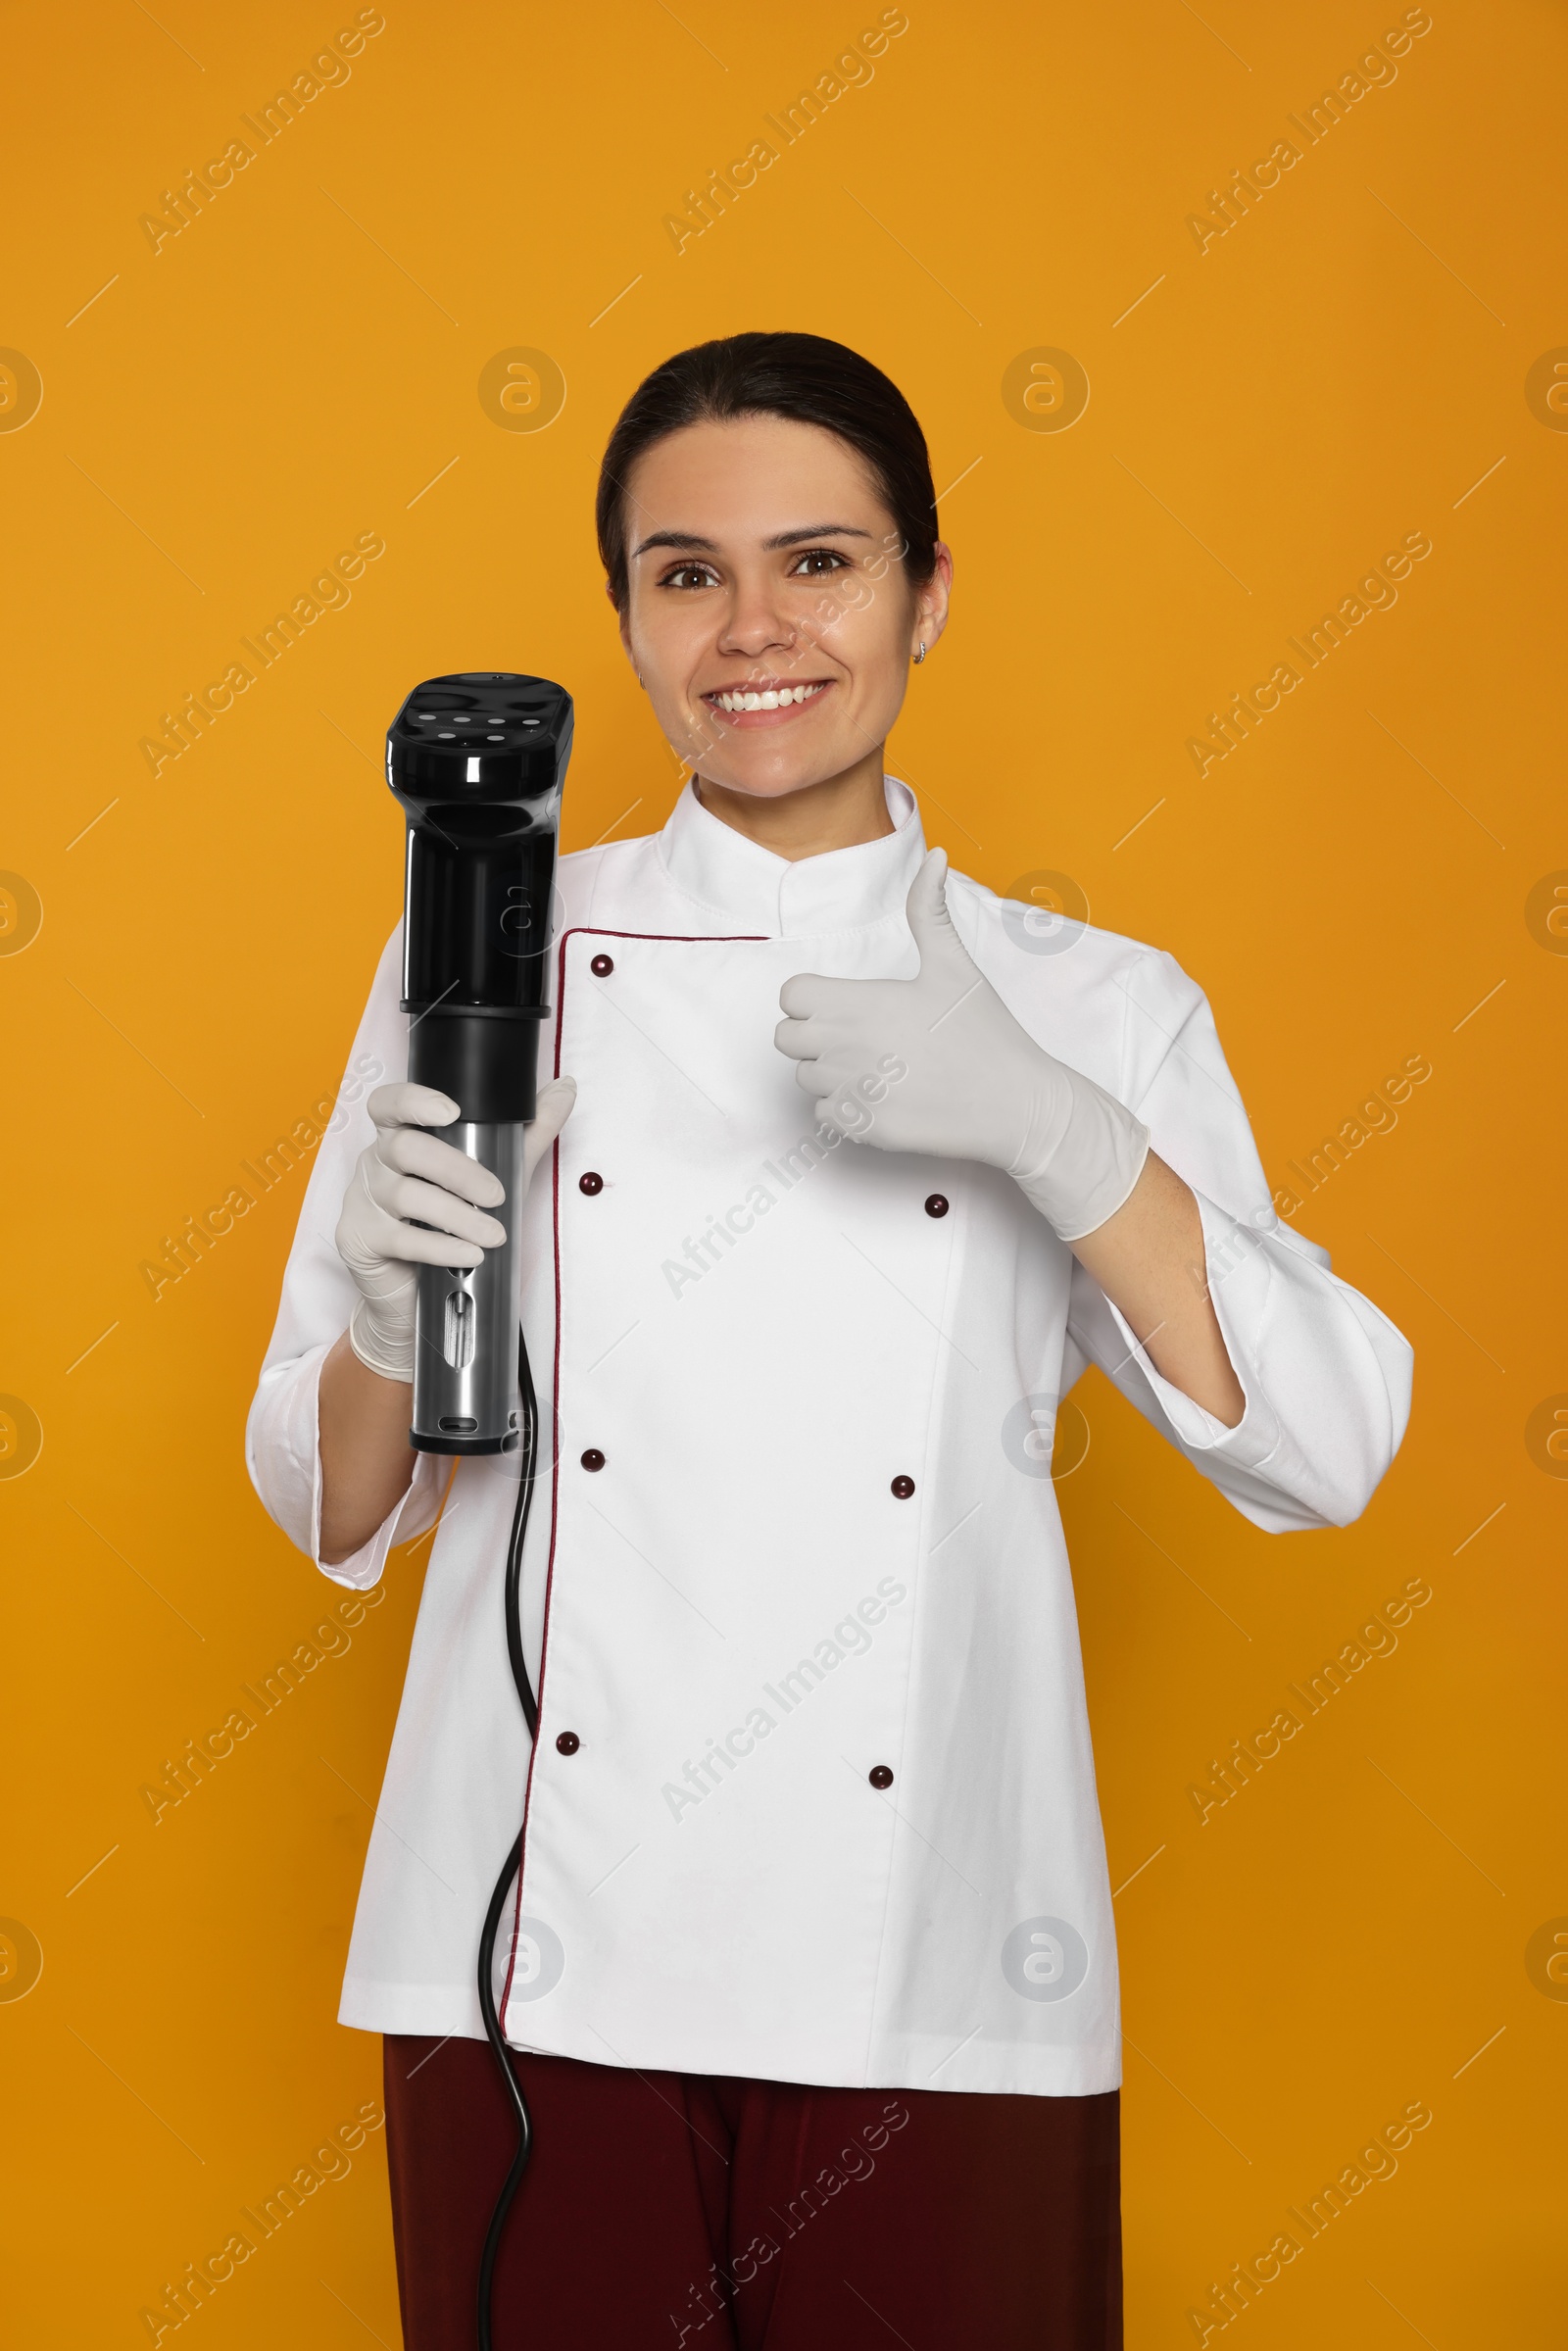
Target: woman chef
x,y
810,1968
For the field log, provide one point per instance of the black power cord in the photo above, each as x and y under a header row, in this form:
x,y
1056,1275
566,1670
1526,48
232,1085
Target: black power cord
x,y
498,1900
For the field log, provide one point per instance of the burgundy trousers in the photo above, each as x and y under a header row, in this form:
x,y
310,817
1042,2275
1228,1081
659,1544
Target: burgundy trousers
x,y
710,2213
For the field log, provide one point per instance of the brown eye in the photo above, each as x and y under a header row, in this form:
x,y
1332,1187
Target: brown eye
x,y
819,560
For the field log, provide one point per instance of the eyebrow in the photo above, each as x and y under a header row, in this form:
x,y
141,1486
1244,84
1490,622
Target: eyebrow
x,y
689,542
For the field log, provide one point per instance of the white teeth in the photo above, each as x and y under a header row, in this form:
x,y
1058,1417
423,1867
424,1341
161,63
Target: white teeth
x,y
771,699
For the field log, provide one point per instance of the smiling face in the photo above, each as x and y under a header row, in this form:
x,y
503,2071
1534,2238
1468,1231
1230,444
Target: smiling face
x,y
768,616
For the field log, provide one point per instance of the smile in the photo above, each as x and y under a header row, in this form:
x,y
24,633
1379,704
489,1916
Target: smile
x,y
743,701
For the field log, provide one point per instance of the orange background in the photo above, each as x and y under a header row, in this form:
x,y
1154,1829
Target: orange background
x,y
298,367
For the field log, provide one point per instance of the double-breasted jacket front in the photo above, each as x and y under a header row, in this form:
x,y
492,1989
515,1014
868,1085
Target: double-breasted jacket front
x,y
813,1794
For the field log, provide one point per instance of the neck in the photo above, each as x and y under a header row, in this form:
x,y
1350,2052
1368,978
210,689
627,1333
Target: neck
x,y
840,813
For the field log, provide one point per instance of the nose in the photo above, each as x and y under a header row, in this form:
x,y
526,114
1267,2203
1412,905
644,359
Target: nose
x,y
757,620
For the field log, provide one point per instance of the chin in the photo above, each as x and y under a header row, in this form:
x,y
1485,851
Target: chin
x,y
772,779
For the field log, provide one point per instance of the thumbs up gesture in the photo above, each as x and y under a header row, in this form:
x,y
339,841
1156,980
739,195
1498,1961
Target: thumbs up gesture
x,y
938,1064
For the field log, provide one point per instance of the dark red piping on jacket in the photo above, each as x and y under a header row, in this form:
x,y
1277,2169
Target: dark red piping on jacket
x,y
587,931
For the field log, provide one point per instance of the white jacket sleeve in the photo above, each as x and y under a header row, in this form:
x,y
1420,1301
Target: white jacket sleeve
x,y
281,1446
1325,1374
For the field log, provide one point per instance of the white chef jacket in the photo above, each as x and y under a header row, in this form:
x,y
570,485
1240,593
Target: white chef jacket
x,y
744,1614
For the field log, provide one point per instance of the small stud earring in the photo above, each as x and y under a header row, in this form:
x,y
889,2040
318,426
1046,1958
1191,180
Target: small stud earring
x,y
920,656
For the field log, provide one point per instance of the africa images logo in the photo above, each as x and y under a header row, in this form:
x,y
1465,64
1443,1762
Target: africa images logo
x,y
1044,1959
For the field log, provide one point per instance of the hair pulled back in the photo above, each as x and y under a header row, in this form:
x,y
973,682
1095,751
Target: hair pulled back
x,y
807,380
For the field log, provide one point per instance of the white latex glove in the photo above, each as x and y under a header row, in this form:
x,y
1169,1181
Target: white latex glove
x,y
404,1174
939,1064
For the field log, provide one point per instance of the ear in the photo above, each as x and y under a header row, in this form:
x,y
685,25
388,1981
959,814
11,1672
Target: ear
x,y
625,635
931,601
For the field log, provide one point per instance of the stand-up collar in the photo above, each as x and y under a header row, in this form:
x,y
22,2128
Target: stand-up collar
x,y
843,889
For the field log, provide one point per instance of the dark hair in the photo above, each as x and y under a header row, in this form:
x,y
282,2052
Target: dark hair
x,y
803,377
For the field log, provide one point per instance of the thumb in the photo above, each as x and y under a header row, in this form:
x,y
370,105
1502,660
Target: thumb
x,y
926,910
553,1108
